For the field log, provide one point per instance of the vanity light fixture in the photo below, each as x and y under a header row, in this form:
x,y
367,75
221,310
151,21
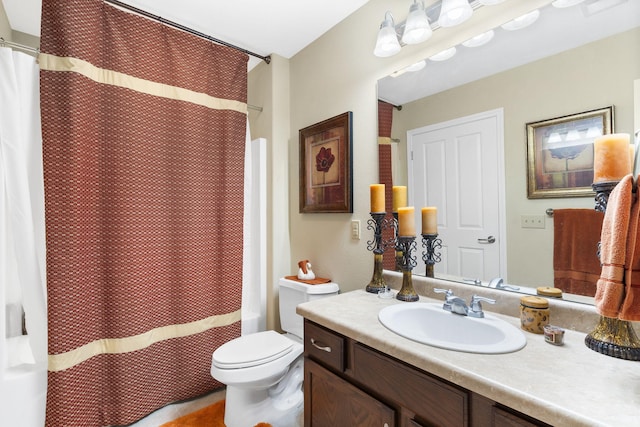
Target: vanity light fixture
x,y
387,42
565,3
480,39
454,12
522,21
417,28
444,55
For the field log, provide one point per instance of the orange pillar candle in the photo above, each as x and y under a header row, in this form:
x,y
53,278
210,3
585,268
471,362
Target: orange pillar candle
x,y
406,222
377,198
429,220
399,197
611,157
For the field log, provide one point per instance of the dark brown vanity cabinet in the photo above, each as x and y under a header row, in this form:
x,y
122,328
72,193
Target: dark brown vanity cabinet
x,y
349,384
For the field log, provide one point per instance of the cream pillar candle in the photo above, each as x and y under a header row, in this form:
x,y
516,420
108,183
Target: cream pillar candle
x,y
429,220
406,222
611,157
377,198
399,197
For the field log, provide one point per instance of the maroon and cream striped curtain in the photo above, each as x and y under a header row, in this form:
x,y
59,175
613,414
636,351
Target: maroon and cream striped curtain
x,y
143,144
385,171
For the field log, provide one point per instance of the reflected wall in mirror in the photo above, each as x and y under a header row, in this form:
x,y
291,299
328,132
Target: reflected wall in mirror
x,y
536,76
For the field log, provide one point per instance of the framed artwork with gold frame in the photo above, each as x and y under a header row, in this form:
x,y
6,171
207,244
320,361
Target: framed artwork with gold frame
x,y
326,175
560,153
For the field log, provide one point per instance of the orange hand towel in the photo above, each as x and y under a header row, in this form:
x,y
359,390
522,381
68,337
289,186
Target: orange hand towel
x,y
630,309
576,266
615,228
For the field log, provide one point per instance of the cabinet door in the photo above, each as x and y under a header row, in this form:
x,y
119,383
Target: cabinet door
x,y
433,401
330,401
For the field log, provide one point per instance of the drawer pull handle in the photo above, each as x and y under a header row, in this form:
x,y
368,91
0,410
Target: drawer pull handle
x,y
320,347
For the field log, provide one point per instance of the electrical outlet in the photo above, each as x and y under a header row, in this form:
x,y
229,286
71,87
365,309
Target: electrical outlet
x,y
355,229
532,221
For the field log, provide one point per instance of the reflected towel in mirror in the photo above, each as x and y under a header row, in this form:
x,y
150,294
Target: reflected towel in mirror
x,y
576,267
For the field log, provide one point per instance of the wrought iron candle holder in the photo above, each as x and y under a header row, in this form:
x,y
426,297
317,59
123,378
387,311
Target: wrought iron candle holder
x,y
407,244
431,242
612,337
397,246
378,222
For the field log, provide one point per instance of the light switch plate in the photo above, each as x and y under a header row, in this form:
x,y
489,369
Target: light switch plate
x,y
532,221
355,229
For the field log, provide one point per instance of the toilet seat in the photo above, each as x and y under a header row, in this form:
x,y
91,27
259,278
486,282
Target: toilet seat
x,y
251,350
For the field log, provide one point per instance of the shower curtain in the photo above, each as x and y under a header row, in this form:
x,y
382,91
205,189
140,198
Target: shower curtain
x,y
23,347
143,145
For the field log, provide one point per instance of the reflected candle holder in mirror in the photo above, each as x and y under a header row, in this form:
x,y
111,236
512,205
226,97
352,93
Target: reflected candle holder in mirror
x,y
431,242
397,246
407,244
377,223
612,337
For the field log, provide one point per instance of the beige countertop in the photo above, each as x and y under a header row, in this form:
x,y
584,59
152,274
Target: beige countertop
x,y
567,385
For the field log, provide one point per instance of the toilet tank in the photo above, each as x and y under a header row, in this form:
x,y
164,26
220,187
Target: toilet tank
x,y
293,293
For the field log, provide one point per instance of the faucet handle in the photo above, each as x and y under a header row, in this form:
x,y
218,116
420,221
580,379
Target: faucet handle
x,y
475,310
448,296
448,292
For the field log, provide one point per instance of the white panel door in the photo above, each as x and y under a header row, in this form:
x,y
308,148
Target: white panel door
x,y
457,166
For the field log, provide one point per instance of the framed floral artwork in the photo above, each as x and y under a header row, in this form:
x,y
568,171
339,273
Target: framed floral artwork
x,y
326,176
560,153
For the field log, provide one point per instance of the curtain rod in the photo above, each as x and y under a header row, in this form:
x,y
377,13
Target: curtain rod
x,y
4,42
162,20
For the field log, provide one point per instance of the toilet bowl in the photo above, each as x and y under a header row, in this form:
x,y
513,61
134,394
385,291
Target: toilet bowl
x,y
263,371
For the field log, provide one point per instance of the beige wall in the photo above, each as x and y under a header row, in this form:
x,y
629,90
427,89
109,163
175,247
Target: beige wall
x,y
593,76
5,28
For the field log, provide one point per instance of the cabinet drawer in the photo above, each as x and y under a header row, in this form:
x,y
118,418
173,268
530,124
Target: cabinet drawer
x,y
432,400
324,346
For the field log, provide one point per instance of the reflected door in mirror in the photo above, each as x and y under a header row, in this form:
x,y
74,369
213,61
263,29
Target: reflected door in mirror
x,y
455,167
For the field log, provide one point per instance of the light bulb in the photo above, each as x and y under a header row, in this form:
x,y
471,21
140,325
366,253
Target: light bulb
x,y
417,28
387,42
454,12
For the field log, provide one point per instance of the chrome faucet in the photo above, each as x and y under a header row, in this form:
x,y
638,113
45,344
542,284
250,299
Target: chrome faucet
x,y
457,305
498,283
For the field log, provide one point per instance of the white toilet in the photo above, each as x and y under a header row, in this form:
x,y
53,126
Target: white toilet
x,y
263,371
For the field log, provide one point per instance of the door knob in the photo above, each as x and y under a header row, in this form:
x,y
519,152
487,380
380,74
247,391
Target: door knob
x,y
488,240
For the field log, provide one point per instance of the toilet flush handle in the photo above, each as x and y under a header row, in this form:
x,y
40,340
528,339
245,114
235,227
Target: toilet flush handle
x,y
320,347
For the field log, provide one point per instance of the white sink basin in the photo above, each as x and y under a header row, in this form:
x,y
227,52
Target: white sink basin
x,y
430,324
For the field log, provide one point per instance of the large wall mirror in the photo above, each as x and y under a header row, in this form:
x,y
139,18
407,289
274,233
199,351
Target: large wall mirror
x,y
570,60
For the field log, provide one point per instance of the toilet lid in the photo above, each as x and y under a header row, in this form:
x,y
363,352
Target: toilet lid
x,y
251,350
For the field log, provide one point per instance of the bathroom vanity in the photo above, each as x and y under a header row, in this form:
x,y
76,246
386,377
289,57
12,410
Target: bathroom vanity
x,y
357,372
